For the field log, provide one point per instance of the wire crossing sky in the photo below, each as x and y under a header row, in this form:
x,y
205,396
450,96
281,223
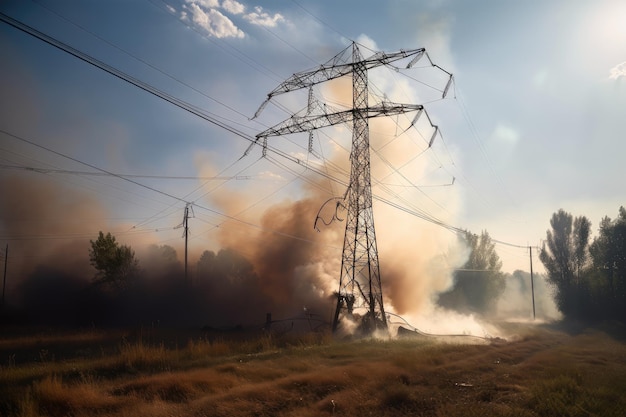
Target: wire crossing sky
x,y
533,124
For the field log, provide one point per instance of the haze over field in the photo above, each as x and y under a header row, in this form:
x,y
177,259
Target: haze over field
x,y
533,123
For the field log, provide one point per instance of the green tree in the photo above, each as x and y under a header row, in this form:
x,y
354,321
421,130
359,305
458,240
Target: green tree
x,y
479,282
582,230
564,255
608,254
115,264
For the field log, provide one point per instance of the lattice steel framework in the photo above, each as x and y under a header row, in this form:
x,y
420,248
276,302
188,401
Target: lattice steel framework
x,y
360,270
360,284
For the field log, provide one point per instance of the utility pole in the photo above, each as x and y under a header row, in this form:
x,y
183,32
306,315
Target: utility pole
x,y
359,282
185,226
4,281
532,281
186,232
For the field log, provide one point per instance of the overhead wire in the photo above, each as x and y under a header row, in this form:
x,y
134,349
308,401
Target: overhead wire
x,y
134,81
124,77
119,74
459,100
105,174
268,72
325,164
30,142
227,216
302,176
477,138
185,106
256,203
278,105
319,20
53,167
159,70
397,171
290,45
416,187
185,197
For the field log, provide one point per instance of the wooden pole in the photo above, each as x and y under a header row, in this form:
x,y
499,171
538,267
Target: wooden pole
x,y
532,281
4,281
186,224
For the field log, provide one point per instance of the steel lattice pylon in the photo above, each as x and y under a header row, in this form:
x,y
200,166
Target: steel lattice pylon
x,y
360,284
360,270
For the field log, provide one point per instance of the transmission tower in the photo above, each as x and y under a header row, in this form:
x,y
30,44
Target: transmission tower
x,y
359,282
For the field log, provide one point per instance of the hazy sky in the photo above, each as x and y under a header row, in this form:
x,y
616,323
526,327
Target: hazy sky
x,y
535,121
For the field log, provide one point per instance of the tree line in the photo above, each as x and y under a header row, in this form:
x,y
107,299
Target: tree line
x,y
228,289
477,285
588,275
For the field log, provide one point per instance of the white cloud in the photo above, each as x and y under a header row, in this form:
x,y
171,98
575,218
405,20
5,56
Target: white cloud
x,y
368,42
207,4
261,18
233,6
618,71
170,9
214,22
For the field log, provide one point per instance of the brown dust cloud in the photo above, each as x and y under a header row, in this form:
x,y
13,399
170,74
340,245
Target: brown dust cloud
x,y
269,260
284,266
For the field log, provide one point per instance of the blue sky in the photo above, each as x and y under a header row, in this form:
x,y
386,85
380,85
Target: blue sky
x,y
537,123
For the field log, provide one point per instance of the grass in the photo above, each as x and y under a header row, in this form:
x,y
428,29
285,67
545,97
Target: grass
x,y
540,372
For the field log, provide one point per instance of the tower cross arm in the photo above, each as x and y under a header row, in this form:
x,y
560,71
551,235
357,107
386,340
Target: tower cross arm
x,y
337,67
306,123
333,69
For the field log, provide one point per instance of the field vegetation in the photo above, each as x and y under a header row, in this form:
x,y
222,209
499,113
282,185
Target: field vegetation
x,y
537,371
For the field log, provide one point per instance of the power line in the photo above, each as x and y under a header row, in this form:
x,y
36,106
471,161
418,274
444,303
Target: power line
x,y
477,138
142,61
189,108
106,174
318,19
277,232
250,61
144,86
90,165
119,74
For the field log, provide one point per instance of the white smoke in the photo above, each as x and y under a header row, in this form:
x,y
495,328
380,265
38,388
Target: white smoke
x,y
618,71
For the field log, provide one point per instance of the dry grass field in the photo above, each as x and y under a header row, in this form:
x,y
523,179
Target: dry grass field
x,y
539,371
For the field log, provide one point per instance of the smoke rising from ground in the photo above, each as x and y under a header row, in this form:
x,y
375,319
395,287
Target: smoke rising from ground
x,y
516,301
256,271
296,266
284,267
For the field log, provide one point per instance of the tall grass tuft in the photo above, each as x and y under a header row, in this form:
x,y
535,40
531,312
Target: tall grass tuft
x,y
203,347
139,356
51,396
